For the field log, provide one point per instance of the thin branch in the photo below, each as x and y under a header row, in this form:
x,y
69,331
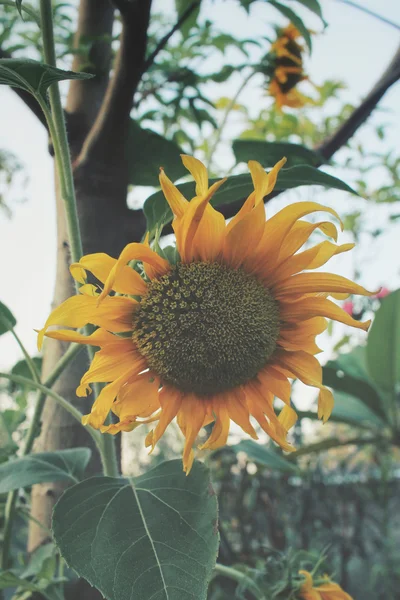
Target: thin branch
x,y
370,12
164,41
26,97
106,140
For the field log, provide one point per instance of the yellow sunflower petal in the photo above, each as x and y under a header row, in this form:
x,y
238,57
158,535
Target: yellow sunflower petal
x,y
173,196
170,401
100,264
219,434
276,230
244,237
309,259
138,398
305,283
325,404
313,307
139,252
109,363
287,417
192,412
300,233
209,239
199,173
277,383
104,401
99,338
115,314
191,220
127,425
239,412
264,183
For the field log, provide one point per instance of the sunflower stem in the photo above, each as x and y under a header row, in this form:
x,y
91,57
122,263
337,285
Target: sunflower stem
x,y
58,132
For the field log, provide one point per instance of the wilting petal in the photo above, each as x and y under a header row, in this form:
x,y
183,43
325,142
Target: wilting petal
x,y
299,234
100,337
312,258
170,401
239,412
191,418
321,307
277,383
305,283
109,363
219,434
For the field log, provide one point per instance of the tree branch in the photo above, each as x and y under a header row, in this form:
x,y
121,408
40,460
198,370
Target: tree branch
x,y
164,41
26,97
105,142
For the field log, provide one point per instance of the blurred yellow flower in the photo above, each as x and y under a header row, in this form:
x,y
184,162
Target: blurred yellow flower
x,y
215,337
288,69
323,591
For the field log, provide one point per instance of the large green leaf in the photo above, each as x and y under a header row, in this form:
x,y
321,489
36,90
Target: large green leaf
x,y
68,465
7,319
269,153
33,76
383,347
182,6
152,537
350,411
348,374
265,456
147,152
238,187
314,6
295,19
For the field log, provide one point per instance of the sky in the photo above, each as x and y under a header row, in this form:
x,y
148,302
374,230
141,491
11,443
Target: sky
x,y
355,48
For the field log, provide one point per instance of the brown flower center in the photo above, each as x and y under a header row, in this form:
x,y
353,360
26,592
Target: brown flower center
x,y
206,328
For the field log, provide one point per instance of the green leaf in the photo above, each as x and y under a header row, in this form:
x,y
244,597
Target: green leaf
x,y
315,7
348,374
265,456
181,7
383,346
21,368
269,153
350,411
238,187
147,152
295,19
7,319
33,76
63,465
150,537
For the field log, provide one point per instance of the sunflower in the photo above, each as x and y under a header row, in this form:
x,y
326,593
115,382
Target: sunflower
x,y
288,69
214,337
325,590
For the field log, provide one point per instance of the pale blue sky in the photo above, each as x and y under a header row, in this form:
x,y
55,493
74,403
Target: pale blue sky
x,y
355,48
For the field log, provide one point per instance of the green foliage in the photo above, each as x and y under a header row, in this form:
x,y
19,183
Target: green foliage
x,y
32,76
64,465
295,19
22,368
7,319
186,5
348,374
266,456
238,187
148,151
269,153
383,349
159,531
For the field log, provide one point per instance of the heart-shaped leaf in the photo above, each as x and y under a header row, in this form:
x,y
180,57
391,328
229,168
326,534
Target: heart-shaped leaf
x,y
68,465
152,537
